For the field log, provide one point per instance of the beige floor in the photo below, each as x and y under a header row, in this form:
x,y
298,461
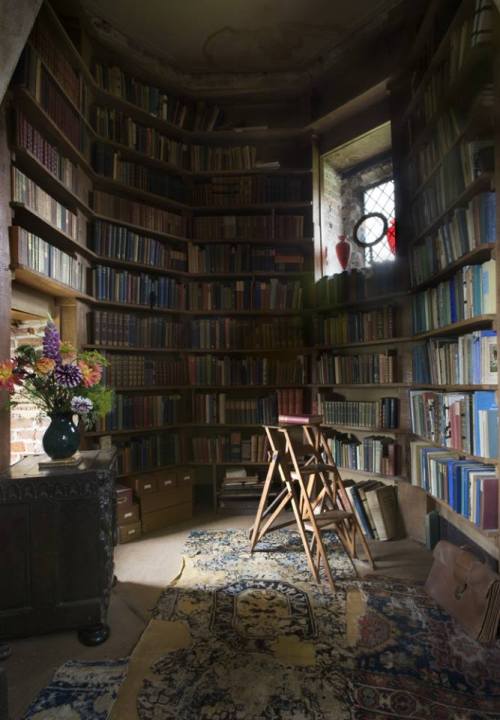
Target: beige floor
x,y
143,569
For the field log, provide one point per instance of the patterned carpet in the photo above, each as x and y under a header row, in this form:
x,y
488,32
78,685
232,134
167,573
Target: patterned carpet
x,y
241,637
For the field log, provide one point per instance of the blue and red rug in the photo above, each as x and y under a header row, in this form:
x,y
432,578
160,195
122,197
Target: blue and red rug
x,y
250,637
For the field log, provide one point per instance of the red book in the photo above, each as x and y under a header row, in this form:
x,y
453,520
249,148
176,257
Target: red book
x,y
489,503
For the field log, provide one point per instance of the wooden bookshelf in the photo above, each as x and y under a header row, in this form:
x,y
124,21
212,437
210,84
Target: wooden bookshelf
x,y
76,149
415,129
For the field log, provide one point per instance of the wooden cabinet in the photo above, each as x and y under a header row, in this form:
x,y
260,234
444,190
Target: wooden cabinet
x,y
56,540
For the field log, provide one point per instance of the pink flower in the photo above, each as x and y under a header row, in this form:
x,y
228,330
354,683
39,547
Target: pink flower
x,y
91,373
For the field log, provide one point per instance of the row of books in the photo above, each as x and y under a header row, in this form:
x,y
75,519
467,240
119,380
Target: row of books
x,y
219,408
376,508
353,327
469,293
43,40
150,218
154,100
28,193
470,488
131,330
377,368
144,370
139,453
239,492
364,414
473,31
142,411
236,334
355,285
29,138
230,447
225,258
140,289
164,292
32,74
31,251
230,370
467,422
467,229
120,127
460,167
107,162
209,158
467,360
249,227
121,243
376,454
250,190
445,133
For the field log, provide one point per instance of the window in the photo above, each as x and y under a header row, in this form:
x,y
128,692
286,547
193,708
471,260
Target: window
x,y
380,199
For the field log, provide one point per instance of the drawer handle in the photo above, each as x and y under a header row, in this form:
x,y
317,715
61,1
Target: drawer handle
x,y
127,515
131,532
146,487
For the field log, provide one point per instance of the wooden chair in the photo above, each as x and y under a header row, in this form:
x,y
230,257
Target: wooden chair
x,y
314,491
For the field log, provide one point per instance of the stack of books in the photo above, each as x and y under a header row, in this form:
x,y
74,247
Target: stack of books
x,y
240,492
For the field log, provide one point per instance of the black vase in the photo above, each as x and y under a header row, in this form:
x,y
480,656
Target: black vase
x,y
62,438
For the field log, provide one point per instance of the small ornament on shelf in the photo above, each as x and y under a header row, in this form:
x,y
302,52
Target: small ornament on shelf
x,y
343,250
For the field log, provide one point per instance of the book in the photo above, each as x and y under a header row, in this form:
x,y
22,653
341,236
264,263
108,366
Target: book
x,y
382,502
358,508
300,419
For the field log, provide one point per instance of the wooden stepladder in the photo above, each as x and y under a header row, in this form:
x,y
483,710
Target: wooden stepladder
x,y
313,489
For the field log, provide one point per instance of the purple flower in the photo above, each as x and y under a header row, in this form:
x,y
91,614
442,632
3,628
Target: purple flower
x,y
68,375
81,405
51,342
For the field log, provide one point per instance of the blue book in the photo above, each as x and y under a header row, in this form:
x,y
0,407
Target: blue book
x,y
453,300
353,493
484,401
477,290
487,217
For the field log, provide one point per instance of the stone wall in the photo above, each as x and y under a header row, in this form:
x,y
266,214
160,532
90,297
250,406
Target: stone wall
x,y
27,423
342,206
352,191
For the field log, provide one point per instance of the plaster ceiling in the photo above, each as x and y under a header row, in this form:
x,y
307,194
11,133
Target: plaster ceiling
x,y
243,36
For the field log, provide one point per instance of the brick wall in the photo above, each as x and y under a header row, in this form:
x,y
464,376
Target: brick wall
x,y
28,423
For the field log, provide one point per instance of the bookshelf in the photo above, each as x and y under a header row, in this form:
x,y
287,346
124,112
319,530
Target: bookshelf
x,y
444,147
182,249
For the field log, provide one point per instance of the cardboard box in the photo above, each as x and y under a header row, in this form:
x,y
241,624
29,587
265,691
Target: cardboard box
x,y
127,533
167,516
127,515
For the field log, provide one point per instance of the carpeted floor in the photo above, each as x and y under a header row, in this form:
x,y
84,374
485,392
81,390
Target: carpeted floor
x,y
241,637
144,568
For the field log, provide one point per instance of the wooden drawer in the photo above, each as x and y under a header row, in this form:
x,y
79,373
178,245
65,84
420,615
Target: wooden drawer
x,y
128,514
124,497
174,495
167,516
127,533
142,484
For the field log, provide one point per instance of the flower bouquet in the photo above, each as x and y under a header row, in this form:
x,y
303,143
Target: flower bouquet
x,y
62,383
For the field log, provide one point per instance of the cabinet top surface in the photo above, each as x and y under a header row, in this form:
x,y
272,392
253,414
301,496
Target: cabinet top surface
x,y
92,461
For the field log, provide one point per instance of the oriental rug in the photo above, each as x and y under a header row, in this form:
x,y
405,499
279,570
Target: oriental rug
x,y
251,637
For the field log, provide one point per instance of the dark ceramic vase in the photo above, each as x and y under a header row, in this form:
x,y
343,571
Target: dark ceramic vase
x,y
62,437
